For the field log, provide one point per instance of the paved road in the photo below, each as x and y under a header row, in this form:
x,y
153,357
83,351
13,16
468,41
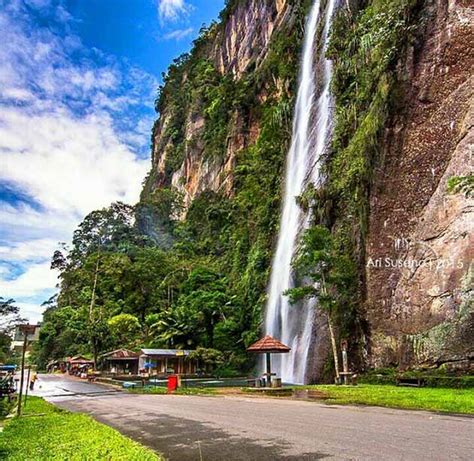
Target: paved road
x,y
57,387
253,429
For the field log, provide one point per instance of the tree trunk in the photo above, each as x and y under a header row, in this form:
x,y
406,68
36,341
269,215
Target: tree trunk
x,y
334,346
91,313
331,330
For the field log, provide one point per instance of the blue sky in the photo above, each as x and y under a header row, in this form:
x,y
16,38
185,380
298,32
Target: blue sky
x,y
78,80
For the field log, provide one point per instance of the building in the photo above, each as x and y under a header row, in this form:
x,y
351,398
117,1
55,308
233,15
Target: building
x,y
78,364
168,361
57,365
19,338
121,361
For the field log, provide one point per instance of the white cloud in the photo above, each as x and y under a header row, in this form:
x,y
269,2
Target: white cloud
x,y
179,34
32,311
38,279
82,164
30,250
18,94
22,222
171,10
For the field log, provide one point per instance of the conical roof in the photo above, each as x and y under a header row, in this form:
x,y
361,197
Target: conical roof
x,y
268,344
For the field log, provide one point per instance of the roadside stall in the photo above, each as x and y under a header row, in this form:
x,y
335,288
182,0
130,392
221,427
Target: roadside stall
x,y
79,365
57,365
163,362
121,362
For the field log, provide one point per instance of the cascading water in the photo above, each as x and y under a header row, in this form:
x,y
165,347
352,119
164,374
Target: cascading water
x,y
311,132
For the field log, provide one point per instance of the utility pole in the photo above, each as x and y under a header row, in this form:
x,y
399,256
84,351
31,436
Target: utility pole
x,y
25,329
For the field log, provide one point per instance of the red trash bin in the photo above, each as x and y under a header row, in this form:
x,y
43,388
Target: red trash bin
x,y
172,383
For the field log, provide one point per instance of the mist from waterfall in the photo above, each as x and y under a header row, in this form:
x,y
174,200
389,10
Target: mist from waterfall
x,y
293,324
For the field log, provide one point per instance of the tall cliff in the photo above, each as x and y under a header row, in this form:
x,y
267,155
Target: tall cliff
x,y
419,294
393,194
232,69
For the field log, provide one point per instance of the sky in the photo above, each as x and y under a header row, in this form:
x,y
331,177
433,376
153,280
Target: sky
x,y
78,80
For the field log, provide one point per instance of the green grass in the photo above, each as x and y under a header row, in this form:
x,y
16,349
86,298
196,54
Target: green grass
x,y
179,391
424,398
47,433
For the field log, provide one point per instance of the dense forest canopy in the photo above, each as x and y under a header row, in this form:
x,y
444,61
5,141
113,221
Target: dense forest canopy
x,y
118,289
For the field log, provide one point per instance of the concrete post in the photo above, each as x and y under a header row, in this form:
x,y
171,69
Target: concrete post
x,y
345,361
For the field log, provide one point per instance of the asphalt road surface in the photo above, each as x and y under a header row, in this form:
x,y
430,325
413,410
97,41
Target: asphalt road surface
x,y
58,387
257,429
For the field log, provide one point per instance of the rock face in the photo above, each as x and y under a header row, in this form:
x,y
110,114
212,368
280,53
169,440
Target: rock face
x,y
247,33
420,247
242,42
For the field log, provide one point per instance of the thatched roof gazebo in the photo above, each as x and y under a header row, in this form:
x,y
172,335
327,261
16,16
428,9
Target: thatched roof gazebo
x,y
268,345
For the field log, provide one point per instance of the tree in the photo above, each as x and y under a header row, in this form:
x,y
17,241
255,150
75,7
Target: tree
x,y
62,334
7,307
96,263
177,327
330,274
210,357
125,329
109,229
9,317
151,281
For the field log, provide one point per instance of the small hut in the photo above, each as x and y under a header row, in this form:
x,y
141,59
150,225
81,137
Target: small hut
x,y
121,361
268,345
57,365
78,364
168,361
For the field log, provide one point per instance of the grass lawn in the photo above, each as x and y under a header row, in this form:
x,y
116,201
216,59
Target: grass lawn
x,y
179,391
423,398
47,433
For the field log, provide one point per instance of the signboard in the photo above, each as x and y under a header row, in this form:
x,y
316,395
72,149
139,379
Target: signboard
x,y
27,329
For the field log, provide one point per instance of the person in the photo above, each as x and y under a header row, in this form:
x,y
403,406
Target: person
x,y
33,379
90,375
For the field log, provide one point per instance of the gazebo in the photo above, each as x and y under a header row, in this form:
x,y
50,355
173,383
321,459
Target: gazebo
x,y
268,345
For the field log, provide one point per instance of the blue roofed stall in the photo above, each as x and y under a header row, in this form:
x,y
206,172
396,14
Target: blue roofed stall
x,y
168,361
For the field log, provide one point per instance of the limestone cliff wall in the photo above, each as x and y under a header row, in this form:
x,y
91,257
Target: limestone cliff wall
x,y
420,247
240,44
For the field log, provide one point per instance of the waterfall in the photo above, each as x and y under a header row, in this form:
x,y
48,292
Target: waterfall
x,y
311,132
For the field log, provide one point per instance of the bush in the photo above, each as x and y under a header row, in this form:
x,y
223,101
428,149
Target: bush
x,y
431,379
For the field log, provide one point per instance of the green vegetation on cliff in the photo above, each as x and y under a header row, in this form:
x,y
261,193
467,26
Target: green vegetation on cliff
x,y
366,46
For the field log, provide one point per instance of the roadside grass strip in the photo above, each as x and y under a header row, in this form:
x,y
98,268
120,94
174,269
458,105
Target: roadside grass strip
x,y
48,433
180,391
423,398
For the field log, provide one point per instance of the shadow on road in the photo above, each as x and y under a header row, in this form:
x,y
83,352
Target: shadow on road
x,y
181,439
